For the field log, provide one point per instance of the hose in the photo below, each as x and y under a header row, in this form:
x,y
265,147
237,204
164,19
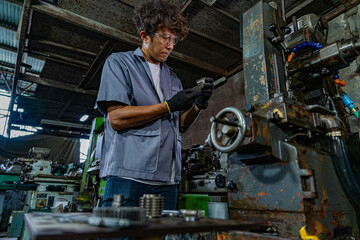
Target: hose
x,y
345,173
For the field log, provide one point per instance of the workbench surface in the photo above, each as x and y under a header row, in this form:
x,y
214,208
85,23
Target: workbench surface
x,y
74,226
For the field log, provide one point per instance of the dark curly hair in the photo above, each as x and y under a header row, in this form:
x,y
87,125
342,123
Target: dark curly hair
x,y
152,15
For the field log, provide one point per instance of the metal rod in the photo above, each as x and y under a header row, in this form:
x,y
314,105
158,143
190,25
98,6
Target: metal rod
x,y
226,122
24,21
294,21
283,10
55,44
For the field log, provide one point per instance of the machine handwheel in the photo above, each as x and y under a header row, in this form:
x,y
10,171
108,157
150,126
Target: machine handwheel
x,y
228,129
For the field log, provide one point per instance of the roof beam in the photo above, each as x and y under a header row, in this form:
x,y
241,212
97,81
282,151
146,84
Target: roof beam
x,y
56,84
7,48
203,35
111,32
94,68
183,8
105,51
60,57
59,45
7,27
23,27
341,9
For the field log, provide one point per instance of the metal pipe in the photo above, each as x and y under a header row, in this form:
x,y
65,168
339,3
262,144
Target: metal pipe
x,y
345,173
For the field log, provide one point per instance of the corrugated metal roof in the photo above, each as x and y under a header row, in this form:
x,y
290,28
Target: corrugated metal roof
x,y
9,13
8,38
28,86
9,17
36,64
7,56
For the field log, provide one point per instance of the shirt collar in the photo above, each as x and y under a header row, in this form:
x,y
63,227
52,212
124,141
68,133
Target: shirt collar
x,y
139,53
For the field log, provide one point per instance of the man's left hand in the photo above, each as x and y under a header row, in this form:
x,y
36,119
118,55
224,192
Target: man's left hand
x,y
206,92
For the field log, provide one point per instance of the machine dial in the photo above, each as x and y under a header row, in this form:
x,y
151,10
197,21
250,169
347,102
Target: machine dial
x,y
220,181
228,129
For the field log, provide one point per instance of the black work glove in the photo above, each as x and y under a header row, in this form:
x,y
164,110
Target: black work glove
x,y
183,100
206,92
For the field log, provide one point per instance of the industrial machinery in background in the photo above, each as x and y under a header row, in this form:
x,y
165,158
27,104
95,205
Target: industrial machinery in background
x,y
289,163
44,184
204,171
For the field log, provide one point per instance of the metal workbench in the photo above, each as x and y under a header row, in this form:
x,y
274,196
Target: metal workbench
x,y
73,226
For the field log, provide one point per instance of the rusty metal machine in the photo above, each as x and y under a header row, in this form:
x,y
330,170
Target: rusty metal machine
x,y
289,163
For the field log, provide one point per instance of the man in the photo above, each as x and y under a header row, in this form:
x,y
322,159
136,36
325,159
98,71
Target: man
x,y
145,108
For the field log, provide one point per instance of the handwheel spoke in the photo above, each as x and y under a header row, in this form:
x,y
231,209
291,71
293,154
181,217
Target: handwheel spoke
x,y
225,140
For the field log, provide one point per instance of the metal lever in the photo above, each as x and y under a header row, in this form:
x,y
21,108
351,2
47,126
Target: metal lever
x,y
278,39
226,122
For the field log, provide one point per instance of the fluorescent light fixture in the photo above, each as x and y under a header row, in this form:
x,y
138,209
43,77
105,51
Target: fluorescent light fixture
x,y
64,124
20,110
84,118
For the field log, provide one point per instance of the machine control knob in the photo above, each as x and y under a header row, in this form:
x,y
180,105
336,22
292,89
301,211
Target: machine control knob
x,y
220,181
249,108
287,51
201,183
272,28
231,186
287,31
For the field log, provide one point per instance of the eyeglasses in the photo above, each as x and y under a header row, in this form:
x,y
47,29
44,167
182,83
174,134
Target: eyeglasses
x,y
166,38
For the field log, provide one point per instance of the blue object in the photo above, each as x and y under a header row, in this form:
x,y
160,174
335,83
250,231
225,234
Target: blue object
x,y
298,47
335,76
347,101
319,46
314,44
294,50
303,44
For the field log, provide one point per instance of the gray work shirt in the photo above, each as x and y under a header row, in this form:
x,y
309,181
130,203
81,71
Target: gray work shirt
x,y
144,152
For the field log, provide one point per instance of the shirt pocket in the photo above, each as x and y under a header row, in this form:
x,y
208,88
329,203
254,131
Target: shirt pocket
x,y
141,152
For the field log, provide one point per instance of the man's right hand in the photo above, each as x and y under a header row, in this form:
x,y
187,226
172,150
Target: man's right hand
x,y
183,100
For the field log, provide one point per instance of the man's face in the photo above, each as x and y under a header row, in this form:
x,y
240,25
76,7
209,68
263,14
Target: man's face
x,y
158,46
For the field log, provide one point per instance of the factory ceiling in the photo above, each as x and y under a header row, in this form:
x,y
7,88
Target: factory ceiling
x,y
53,51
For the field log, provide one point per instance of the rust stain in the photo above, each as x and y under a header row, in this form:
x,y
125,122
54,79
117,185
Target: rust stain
x,y
336,219
281,190
298,194
222,236
262,80
255,98
251,28
268,104
325,199
324,204
261,194
317,228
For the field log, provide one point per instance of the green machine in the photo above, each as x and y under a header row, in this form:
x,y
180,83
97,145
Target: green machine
x,y
92,187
